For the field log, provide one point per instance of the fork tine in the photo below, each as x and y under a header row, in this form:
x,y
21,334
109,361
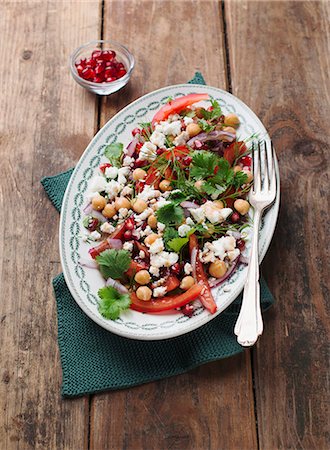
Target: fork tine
x,y
266,176
257,172
272,182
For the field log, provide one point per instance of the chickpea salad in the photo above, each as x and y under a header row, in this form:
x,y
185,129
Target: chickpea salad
x,y
165,215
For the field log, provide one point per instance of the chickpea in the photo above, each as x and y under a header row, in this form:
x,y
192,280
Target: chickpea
x,y
99,202
142,277
122,202
237,168
144,293
199,185
241,206
249,175
230,130
151,238
232,120
152,221
187,283
139,174
165,185
109,211
217,269
139,205
193,129
218,204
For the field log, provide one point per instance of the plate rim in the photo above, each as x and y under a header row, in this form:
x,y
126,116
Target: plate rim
x,y
168,334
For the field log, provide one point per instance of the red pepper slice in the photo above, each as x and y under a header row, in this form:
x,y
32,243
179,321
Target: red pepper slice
x,y
177,105
233,151
166,303
206,296
152,177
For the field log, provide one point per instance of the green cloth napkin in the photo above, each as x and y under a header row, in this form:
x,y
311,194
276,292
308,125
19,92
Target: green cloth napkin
x,y
95,360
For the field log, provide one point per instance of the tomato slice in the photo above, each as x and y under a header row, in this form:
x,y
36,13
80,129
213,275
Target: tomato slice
x,y
233,151
166,303
135,267
177,105
206,296
152,177
171,283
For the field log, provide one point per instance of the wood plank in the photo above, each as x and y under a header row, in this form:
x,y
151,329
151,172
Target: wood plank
x,y
282,71
194,410
46,122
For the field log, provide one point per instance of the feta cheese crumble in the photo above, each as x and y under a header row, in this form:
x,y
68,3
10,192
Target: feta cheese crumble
x,y
159,291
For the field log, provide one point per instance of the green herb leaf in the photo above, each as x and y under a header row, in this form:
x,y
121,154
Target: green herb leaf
x,y
86,220
170,214
215,113
177,243
169,234
205,126
112,303
114,152
203,164
240,178
114,263
177,197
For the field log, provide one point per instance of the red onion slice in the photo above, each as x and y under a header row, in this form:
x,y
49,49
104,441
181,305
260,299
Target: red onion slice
x,y
115,284
98,215
187,204
115,243
130,149
87,208
212,136
193,262
229,272
90,263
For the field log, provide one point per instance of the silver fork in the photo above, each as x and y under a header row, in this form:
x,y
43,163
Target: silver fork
x,y
249,323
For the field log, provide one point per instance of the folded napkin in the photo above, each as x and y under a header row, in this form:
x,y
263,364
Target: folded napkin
x,y
95,360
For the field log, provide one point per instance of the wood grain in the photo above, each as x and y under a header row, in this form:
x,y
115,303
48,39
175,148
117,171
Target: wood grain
x,y
282,72
198,410
46,122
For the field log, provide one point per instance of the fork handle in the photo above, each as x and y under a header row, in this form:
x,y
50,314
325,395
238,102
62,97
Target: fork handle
x,y
249,323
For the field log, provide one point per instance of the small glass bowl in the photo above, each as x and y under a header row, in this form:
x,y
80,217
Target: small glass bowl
x,y
122,55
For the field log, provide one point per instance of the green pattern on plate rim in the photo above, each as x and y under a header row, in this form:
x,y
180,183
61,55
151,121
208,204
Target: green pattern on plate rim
x,y
109,134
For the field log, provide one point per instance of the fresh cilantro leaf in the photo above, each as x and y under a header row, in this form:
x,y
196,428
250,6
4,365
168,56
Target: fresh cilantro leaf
x,y
169,234
240,178
205,126
113,152
112,303
215,113
177,197
86,220
177,243
145,125
203,164
188,113
114,263
170,214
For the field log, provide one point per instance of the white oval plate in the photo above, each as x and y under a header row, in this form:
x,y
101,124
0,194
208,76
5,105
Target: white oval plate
x,y
84,282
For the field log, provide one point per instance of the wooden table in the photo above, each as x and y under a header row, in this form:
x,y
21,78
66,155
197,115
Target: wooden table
x,y
275,57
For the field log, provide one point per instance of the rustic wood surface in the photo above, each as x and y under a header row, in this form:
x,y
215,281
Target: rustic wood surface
x,y
275,57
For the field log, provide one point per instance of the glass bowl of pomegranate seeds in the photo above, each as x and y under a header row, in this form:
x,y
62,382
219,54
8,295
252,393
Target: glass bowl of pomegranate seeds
x,y
102,67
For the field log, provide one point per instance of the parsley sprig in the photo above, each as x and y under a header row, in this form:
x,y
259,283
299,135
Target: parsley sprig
x,y
112,303
114,263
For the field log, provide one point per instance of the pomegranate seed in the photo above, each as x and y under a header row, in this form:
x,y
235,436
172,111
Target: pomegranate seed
x,y
187,160
210,108
121,73
83,62
80,68
110,72
92,224
110,79
88,73
108,55
240,244
140,163
98,79
91,63
136,131
129,224
99,68
187,310
246,161
96,54
104,166
128,235
160,151
235,217
176,268
120,66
